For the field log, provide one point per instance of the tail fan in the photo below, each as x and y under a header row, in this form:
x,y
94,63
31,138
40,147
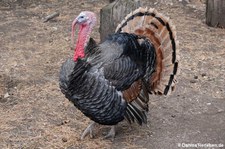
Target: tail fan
x,y
161,33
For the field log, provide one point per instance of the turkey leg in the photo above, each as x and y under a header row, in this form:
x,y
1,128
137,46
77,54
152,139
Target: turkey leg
x,y
89,130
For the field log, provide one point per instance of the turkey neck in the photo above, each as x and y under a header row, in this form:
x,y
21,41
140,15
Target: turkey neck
x,y
83,35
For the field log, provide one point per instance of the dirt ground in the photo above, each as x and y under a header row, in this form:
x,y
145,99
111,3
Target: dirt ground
x,y
35,114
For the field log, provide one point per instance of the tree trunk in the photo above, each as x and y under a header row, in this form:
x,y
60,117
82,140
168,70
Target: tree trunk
x,y
112,14
215,13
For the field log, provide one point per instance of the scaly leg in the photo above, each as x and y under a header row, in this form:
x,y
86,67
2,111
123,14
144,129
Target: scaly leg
x,y
89,130
111,133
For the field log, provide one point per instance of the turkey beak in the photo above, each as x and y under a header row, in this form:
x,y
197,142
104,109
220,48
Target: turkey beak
x,y
72,34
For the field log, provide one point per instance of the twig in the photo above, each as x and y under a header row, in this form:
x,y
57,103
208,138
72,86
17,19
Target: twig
x,y
51,16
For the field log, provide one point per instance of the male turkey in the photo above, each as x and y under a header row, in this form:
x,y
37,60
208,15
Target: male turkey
x,y
112,81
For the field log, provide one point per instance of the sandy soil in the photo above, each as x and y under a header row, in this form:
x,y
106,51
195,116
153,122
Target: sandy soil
x,y
35,114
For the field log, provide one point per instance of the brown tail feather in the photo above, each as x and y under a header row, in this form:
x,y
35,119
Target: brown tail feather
x,y
160,31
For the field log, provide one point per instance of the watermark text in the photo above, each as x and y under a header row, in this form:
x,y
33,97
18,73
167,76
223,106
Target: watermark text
x,y
200,145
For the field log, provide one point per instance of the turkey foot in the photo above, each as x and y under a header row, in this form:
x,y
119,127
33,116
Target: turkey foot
x,y
89,130
111,134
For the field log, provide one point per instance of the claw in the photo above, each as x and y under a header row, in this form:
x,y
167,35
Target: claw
x,y
89,130
111,134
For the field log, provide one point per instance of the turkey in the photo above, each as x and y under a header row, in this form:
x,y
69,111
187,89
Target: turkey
x,y
112,81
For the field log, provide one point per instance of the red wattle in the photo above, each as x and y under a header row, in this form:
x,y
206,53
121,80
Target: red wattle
x,y
79,50
83,33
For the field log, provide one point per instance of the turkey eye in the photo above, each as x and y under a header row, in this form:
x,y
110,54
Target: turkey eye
x,y
82,19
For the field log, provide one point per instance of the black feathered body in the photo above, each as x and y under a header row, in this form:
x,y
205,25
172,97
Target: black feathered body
x,y
95,84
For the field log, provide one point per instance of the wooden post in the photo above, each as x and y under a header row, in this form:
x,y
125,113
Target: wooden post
x,y
112,14
215,13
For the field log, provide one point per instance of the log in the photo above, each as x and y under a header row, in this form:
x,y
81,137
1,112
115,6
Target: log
x,y
215,13
112,14
51,16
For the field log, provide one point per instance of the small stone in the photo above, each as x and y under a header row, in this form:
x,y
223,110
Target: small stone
x,y
220,111
195,77
67,39
55,28
6,95
203,74
193,81
66,121
64,139
173,116
63,122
